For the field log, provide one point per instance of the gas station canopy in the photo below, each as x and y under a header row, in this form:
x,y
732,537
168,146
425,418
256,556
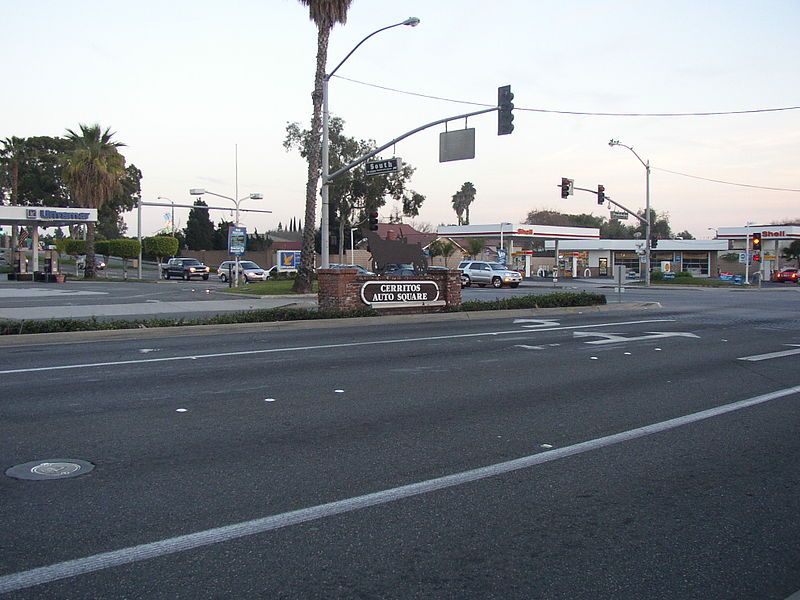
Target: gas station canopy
x,y
46,216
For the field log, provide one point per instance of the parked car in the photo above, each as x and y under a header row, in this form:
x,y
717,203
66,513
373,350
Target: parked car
x,y
186,268
275,272
398,269
483,273
248,271
99,263
784,275
361,270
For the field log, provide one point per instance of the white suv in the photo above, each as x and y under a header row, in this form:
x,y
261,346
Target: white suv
x,y
482,273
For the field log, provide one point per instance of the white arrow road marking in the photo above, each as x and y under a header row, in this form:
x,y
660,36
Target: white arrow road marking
x,y
529,347
782,353
537,322
612,338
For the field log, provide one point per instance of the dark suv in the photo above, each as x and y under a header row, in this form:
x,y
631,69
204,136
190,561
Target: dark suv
x,y
185,268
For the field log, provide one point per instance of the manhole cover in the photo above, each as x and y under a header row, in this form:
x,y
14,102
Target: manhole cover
x,y
54,468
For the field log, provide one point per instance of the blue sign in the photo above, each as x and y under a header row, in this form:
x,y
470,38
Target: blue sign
x,y
237,240
288,260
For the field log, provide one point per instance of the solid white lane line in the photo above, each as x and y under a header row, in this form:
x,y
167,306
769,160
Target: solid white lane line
x,y
322,347
89,564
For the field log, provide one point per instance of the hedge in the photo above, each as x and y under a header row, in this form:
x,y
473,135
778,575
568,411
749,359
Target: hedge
x,y
554,300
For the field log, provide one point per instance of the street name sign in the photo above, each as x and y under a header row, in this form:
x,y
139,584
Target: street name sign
x,y
620,215
383,166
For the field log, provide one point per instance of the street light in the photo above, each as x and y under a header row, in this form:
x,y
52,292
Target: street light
x,y
646,165
201,191
325,234
172,218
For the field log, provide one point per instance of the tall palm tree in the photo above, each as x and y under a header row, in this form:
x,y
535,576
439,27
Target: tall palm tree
x,y
325,14
12,153
93,172
468,191
458,206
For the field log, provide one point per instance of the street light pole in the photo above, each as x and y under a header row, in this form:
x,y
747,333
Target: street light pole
x,y
646,165
325,233
172,217
201,191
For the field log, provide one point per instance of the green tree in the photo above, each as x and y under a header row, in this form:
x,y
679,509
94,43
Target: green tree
x,y
325,14
93,171
792,252
354,193
443,248
125,249
41,183
475,246
12,154
74,248
103,248
160,246
684,235
199,228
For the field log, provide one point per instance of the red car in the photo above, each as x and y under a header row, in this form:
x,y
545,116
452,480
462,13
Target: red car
x,y
785,275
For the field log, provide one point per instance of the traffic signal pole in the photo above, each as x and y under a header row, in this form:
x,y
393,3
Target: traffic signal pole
x,y
399,138
610,201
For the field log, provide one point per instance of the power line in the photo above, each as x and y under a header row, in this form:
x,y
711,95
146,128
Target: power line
x,y
608,114
575,112
758,187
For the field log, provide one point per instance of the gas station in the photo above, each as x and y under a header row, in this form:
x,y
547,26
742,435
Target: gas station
x,y
36,218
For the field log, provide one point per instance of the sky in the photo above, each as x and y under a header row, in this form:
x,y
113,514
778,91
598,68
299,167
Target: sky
x,y
200,90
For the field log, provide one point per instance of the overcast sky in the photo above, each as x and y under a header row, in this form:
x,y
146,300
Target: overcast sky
x,y
182,83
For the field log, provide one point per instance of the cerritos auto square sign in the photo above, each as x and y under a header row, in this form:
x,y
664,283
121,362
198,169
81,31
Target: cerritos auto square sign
x,y
399,293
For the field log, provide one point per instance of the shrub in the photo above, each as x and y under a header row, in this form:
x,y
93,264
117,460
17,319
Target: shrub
x,y
657,275
683,275
75,247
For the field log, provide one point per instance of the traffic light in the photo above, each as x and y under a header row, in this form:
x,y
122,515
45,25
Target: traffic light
x,y
373,220
756,257
505,117
566,187
756,241
601,194
654,243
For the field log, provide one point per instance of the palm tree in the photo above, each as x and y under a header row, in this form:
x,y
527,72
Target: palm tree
x,y
458,206
468,192
93,172
325,14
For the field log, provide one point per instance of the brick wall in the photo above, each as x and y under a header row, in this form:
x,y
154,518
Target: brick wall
x,y
340,289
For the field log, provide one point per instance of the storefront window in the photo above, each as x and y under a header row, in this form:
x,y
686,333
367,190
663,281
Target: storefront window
x,y
629,259
696,263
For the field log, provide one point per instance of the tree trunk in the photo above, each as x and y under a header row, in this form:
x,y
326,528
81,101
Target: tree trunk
x,y
302,283
88,267
14,192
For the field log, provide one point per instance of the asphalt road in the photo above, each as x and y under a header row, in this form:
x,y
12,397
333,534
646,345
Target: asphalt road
x,y
618,454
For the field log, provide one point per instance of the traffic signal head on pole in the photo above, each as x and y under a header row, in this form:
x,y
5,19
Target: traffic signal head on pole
x,y
373,220
505,116
756,257
654,243
566,187
756,241
601,194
